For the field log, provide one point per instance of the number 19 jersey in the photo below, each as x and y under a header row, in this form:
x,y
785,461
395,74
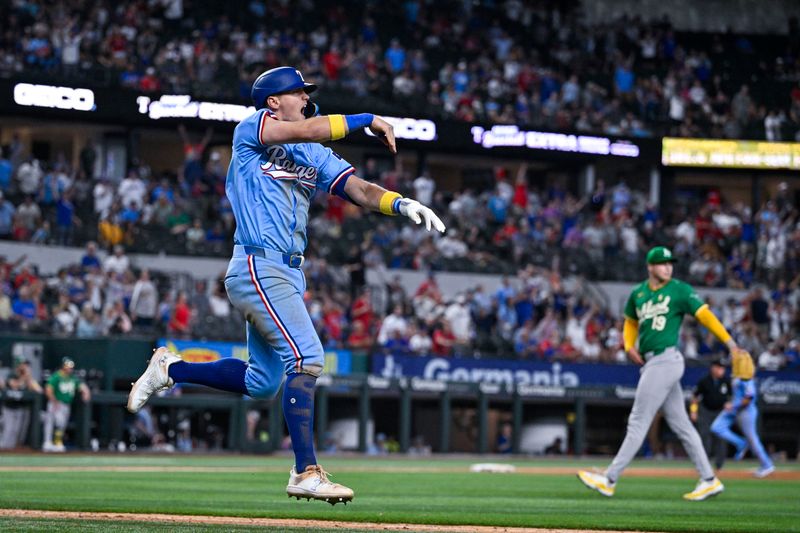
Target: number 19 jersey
x,y
660,313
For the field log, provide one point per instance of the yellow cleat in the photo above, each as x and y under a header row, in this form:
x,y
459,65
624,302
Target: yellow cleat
x,y
705,489
598,482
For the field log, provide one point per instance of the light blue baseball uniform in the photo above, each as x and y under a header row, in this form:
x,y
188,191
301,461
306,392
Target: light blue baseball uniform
x,y
270,188
746,416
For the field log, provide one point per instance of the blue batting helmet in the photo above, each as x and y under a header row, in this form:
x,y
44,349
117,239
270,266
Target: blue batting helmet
x,y
278,80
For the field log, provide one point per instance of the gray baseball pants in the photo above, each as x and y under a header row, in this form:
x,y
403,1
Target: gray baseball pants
x,y
660,388
15,426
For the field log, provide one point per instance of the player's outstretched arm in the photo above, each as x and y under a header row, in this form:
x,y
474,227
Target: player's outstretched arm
x,y
376,198
326,128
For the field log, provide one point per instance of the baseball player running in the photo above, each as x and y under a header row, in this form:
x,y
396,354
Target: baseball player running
x,y
654,313
276,168
742,408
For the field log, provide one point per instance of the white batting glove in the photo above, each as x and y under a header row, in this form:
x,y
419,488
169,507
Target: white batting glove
x,y
418,212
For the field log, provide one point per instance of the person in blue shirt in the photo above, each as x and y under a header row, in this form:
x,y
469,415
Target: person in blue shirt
x,y
742,410
277,166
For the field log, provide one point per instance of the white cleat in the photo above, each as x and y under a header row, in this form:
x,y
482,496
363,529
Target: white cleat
x,y
598,482
314,484
764,472
154,379
705,489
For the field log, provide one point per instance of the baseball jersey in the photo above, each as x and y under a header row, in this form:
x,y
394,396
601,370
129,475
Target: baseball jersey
x,y
743,389
63,387
270,186
660,313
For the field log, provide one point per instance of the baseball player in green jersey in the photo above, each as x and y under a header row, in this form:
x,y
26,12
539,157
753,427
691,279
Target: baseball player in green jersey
x,y
654,313
60,391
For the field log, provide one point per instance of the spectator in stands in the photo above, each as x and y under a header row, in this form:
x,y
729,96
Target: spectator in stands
x,y
444,341
29,215
25,308
29,175
7,211
395,322
359,338
65,315
397,344
88,325
181,316
218,301
6,170
772,358
117,321
195,236
90,258
144,301
118,262
420,342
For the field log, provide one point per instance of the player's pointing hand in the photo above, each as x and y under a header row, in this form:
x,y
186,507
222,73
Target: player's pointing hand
x,y
385,132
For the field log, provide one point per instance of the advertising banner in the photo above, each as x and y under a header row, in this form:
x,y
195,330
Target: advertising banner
x,y
115,106
545,374
337,362
713,153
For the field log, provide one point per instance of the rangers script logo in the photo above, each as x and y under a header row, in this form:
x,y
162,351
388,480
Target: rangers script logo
x,y
280,167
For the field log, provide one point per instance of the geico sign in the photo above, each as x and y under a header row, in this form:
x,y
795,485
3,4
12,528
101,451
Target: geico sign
x,y
50,96
411,128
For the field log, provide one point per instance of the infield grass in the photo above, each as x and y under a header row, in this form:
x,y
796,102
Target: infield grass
x,y
407,493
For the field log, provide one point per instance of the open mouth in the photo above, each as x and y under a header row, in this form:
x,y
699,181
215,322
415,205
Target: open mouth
x,y
310,110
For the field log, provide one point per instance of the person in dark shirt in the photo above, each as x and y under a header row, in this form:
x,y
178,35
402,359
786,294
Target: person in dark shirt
x,y
708,399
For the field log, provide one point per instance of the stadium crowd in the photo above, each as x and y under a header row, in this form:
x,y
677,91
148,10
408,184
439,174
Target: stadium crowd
x,y
523,62
509,62
601,235
534,315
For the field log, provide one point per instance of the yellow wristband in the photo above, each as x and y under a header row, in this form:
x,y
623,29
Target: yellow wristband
x,y
338,130
387,201
693,408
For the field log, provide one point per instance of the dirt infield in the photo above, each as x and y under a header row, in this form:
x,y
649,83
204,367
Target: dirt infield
x,y
788,475
275,523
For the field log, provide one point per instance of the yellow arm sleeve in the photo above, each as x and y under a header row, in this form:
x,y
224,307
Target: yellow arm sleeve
x,y
707,318
630,332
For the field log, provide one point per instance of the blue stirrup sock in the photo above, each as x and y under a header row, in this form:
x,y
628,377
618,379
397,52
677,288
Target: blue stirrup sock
x,y
298,409
226,374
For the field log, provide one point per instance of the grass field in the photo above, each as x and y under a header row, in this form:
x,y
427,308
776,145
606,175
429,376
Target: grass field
x,y
390,491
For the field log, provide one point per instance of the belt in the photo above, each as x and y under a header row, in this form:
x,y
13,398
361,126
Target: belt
x,y
290,260
649,355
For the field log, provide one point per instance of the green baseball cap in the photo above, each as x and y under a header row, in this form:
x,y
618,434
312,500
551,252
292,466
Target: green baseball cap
x,y
660,254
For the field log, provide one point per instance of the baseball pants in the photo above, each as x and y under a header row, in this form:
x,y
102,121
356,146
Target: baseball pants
x,y
714,445
281,338
15,426
747,419
57,416
660,388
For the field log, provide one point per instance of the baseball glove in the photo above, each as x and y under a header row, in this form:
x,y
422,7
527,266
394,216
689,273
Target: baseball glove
x,y
742,365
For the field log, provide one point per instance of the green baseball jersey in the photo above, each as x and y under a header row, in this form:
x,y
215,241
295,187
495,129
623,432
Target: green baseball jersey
x,y
64,387
660,313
